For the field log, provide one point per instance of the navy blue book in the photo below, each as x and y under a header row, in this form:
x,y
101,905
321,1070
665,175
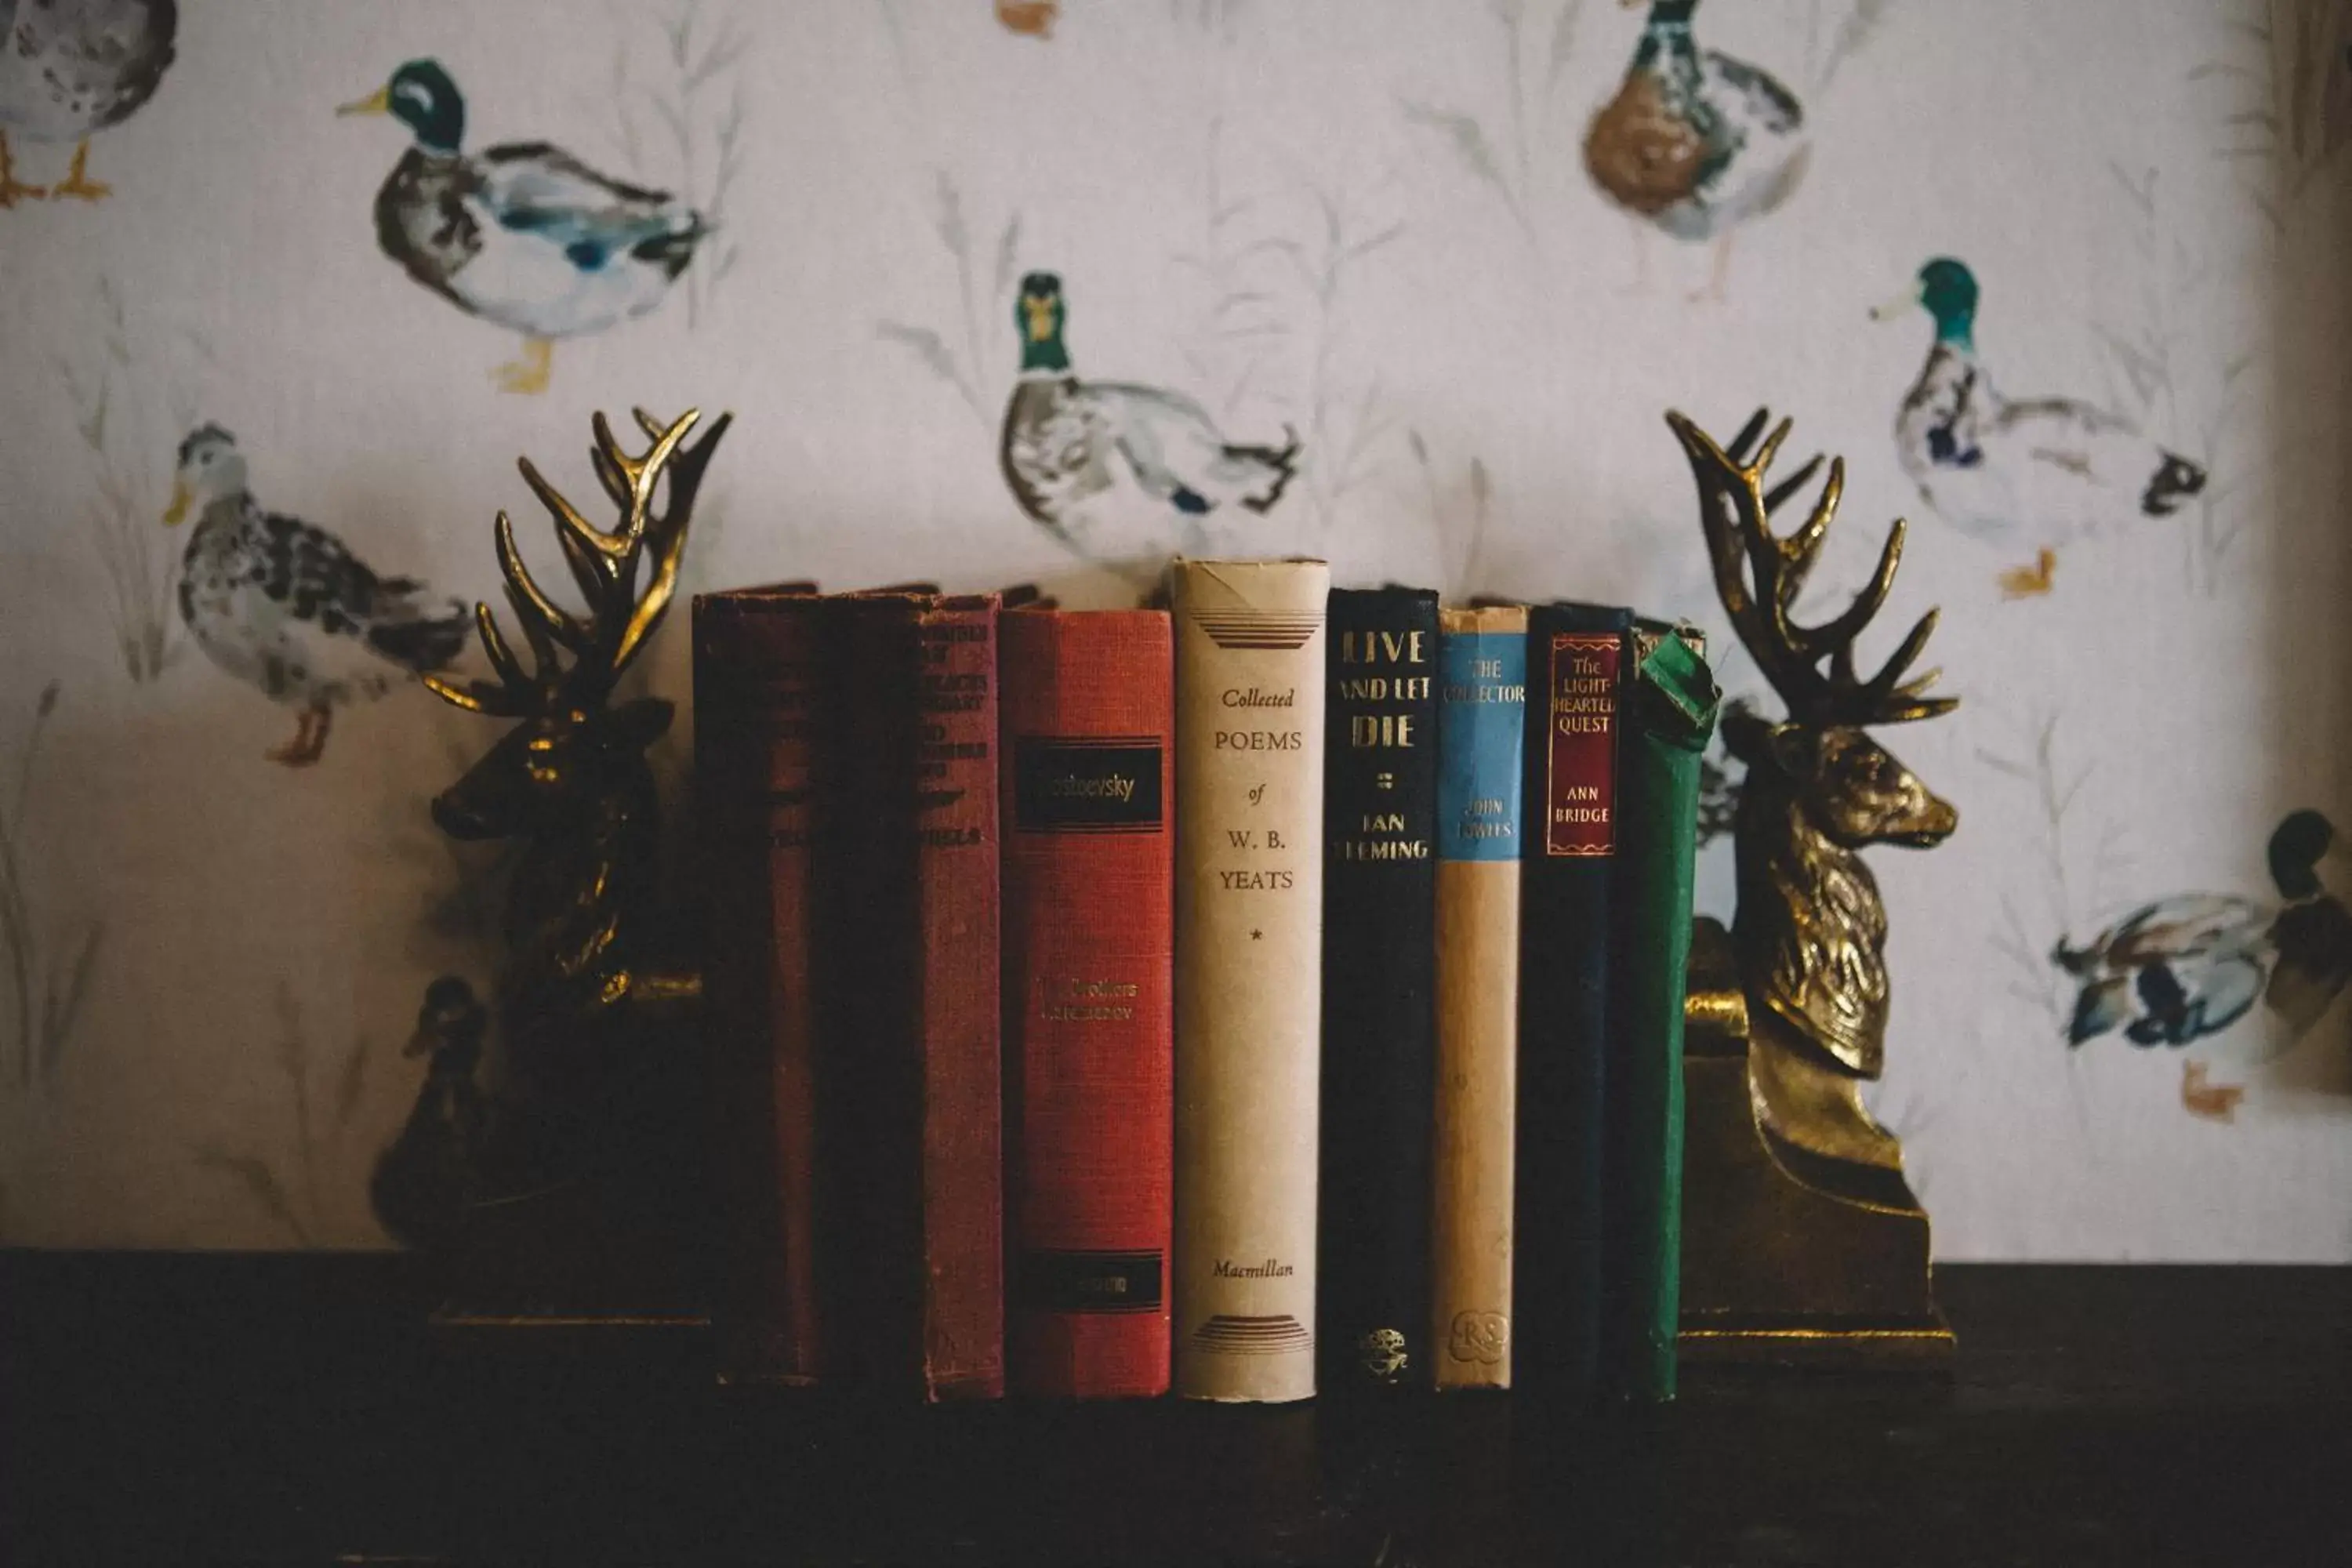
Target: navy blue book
x,y
1576,663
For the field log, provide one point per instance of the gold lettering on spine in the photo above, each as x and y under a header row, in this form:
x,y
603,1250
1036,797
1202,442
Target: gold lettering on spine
x,y
1382,650
1090,1002
1581,717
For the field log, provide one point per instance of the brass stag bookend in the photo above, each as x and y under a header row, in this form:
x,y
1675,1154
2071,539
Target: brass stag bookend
x,y
571,778
585,1002
1802,1240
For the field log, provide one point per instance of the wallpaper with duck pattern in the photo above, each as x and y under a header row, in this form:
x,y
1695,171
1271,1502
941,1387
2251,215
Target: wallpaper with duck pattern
x,y
1041,291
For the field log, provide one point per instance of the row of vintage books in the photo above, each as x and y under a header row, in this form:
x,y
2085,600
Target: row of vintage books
x,y
1283,989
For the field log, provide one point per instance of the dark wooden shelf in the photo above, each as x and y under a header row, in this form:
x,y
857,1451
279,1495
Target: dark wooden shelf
x,y
299,1409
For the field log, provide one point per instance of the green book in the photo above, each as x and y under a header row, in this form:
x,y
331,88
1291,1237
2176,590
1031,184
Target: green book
x,y
1668,714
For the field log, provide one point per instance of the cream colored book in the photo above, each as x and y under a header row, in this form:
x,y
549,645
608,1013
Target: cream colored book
x,y
1249,944
1481,694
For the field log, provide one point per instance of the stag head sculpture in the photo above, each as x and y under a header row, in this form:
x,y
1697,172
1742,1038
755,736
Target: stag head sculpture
x,y
571,778
1810,930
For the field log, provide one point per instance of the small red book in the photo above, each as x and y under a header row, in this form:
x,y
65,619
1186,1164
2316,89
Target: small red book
x,y
755,683
909,1068
1089,710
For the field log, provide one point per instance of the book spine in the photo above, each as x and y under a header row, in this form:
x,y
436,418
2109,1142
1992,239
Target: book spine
x,y
1379,1017
1670,711
1087,714
958,1018
1250,654
755,736
869,955
1482,725
1576,654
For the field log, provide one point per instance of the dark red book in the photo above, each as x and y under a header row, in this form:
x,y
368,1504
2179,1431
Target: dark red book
x,y
910,1153
1089,710
755,682
959,1026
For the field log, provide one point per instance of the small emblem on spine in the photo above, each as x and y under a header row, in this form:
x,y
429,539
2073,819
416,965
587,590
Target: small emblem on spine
x,y
1479,1337
1383,1353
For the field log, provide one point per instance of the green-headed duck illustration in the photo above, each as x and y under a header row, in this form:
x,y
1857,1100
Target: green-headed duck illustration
x,y
522,234
2033,470
1696,142
2186,967
1066,440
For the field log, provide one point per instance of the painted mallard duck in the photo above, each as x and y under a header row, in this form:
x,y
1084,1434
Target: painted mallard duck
x,y
69,69
1062,433
1695,142
2189,966
522,234
284,606
2045,468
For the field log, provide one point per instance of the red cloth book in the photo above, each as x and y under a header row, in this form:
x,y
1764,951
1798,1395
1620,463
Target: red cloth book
x,y
1089,700
959,1025
755,678
909,1068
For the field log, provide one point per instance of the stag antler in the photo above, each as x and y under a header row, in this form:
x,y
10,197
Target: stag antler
x,y
1735,511
618,619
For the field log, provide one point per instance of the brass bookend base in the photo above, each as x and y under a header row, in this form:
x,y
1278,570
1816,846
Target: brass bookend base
x,y
1776,1272
591,1205
622,1238
570,1285
602,1217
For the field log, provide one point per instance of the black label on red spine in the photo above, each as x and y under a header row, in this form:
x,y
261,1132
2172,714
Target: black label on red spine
x,y
1066,783
1082,1282
1581,778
